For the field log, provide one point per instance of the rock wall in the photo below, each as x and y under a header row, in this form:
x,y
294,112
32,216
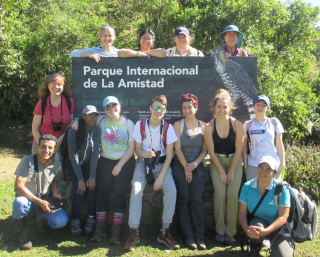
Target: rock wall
x,y
152,204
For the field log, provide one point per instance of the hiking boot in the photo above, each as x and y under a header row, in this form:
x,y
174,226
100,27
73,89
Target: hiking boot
x,y
255,248
254,253
228,240
201,243
24,240
132,241
99,232
219,239
115,234
75,227
166,238
88,230
44,228
191,244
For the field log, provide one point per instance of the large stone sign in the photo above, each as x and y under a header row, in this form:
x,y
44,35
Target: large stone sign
x,y
136,80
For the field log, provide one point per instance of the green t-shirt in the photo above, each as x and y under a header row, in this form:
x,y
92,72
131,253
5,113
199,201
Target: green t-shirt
x,y
47,174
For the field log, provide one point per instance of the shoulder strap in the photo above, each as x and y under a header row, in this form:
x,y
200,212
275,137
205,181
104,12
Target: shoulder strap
x,y
181,126
165,131
43,107
248,125
259,203
143,129
35,162
101,120
68,101
201,125
278,191
274,123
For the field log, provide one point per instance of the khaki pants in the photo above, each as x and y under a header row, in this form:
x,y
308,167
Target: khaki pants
x,y
226,197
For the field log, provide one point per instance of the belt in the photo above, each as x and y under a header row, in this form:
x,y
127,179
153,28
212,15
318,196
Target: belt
x,y
225,155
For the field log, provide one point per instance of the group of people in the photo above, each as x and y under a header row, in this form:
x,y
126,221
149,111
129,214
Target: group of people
x,y
167,157
231,37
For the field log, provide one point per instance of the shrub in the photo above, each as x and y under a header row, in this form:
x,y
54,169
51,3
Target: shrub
x,y
303,169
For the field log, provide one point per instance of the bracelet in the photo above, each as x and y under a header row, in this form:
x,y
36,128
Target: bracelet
x,y
195,163
139,53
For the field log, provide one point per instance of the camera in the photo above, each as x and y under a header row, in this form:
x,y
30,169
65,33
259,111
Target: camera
x,y
57,126
150,164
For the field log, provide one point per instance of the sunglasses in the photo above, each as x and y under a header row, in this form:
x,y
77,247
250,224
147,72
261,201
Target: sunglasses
x,y
109,107
156,108
93,116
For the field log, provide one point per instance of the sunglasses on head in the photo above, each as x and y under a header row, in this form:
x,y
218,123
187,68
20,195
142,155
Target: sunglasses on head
x,y
109,107
156,108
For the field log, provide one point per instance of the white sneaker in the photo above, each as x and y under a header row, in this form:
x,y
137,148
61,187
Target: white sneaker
x,y
266,243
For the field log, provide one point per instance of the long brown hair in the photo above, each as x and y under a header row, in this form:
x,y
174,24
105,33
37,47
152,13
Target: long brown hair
x,y
43,89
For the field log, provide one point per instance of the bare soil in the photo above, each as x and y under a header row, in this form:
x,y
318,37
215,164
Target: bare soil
x,y
15,142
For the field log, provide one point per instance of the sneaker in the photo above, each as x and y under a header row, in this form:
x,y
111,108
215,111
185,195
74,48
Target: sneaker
x,y
219,239
99,232
166,238
89,226
132,241
266,243
75,228
115,234
228,240
191,244
201,243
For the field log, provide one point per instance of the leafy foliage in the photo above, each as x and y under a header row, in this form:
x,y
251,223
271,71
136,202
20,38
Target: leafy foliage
x,y
303,165
37,36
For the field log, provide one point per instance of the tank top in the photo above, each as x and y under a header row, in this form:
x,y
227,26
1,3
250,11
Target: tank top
x,y
224,145
191,143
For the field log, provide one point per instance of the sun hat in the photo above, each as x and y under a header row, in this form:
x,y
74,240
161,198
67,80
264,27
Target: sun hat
x,y
231,28
89,109
264,98
273,163
110,99
182,30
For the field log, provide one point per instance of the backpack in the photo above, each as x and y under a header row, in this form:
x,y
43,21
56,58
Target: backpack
x,y
303,217
44,104
248,125
164,127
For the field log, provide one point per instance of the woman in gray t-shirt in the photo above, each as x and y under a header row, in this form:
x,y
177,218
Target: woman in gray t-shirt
x,y
189,173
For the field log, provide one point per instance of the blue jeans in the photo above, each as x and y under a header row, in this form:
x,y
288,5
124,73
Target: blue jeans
x,y
189,200
77,198
23,207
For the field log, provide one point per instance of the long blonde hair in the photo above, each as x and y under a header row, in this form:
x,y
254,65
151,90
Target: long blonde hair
x,y
223,94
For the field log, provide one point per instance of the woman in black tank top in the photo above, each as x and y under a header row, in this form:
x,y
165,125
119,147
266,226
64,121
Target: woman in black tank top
x,y
224,137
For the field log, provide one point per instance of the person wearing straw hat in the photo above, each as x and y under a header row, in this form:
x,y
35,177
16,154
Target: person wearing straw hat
x,y
232,38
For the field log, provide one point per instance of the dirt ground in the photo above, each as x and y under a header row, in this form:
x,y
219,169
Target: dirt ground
x,y
15,142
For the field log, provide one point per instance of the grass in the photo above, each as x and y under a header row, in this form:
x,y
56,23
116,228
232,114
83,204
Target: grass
x,y
15,142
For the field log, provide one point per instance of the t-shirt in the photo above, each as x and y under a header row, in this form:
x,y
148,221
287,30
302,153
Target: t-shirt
x,y
152,137
190,52
115,136
46,126
47,174
96,50
262,140
267,210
